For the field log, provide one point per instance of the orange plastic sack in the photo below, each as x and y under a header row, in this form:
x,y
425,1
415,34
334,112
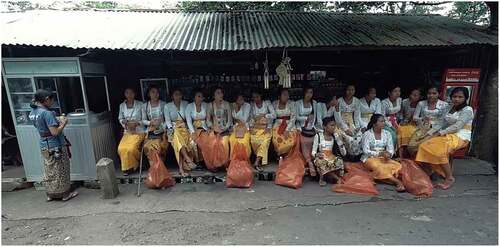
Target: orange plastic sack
x,y
291,169
239,173
415,180
214,153
357,181
158,175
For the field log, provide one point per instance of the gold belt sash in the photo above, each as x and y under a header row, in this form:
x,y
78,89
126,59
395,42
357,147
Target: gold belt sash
x,y
198,123
467,127
180,124
348,118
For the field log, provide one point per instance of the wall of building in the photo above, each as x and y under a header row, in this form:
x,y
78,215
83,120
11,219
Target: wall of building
x,y
409,68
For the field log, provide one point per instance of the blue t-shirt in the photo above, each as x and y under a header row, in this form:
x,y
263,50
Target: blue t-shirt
x,y
43,119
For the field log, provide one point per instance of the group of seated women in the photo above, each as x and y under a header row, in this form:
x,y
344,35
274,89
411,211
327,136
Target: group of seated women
x,y
343,128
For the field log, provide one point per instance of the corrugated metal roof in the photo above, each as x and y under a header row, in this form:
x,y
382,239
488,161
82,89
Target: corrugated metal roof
x,y
208,31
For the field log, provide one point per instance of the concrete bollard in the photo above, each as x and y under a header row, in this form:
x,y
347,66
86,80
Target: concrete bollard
x,y
107,178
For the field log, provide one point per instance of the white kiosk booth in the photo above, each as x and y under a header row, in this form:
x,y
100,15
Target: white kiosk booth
x,y
81,92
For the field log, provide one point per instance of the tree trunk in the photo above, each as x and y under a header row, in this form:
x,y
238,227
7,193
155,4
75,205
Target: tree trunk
x,y
485,141
493,6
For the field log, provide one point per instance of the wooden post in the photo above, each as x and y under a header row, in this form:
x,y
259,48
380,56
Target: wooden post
x,y
107,178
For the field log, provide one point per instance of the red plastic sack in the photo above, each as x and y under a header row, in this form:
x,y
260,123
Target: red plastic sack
x,y
291,169
239,173
158,175
215,154
415,180
357,181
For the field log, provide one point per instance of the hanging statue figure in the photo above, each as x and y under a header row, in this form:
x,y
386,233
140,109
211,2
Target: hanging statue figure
x,y
284,70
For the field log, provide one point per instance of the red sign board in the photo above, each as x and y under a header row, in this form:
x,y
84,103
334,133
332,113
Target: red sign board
x,y
462,75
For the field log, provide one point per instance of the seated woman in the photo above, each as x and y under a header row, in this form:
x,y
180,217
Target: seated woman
x,y
377,152
220,122
349,110
284,126
197,118
131,116
430,111
408,125
329,109
175,119
261,122
454,133
368,106
328,150
241,129
306,110
155,123
391,106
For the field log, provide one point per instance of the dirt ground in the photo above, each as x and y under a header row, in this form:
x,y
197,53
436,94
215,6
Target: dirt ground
x,y
264,214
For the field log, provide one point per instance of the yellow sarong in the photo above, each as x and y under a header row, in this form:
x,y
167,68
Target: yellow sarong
x,y
181,139
404,133
437,150
260,143
129,150
281,144
233,140
381,169
159,145
197,124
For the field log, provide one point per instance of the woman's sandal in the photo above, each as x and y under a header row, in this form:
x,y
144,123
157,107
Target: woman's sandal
x,y
259,168
322,183
446,185
400,188
70,196
49,199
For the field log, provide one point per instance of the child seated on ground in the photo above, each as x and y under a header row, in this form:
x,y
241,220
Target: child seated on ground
x,y
328,150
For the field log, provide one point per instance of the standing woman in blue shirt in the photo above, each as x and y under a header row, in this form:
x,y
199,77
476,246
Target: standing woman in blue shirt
x,y
54,147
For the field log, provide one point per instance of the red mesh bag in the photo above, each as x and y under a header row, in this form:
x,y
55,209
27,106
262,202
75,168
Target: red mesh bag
x,y
214,153
357,181
239,173
158,175
415,180
291,169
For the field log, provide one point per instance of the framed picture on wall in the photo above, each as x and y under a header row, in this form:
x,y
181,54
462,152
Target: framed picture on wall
x,y
471,87
160,83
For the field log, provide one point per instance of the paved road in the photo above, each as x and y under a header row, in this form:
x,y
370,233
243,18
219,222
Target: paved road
x,y
265,214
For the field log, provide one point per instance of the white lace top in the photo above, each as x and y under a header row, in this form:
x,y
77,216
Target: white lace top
x,y
288,111
323,112
303,113
407,111
154,112
388,108
365,109
372,147
173,114
354,108
243,114
193,115
435,115
459,122
266,109
320,144
221,115
136,113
